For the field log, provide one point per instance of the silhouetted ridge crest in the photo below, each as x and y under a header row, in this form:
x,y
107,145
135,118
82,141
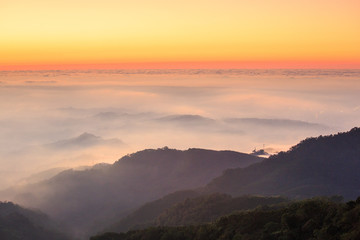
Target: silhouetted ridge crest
x,y
325,165
169,154
344,139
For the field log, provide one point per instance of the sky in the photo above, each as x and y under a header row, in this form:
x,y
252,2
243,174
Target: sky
x,y
40,34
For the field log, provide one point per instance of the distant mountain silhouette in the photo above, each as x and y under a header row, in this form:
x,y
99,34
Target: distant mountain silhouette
x,y
187,119
43,175
84,140
17,223
326,165
92,198
107,115
277,123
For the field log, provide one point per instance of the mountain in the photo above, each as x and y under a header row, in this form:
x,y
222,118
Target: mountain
x,y
17,223
318,218
187,119
85,140
326,165
277,123
48,159
91,199
43,175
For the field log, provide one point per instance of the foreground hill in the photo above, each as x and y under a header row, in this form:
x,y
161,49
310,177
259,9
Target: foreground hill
x,y
307,219
89,200
208,208
326,165
189,207
17,223
147,214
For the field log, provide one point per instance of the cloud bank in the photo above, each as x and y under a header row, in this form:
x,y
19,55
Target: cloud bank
x,y
44,113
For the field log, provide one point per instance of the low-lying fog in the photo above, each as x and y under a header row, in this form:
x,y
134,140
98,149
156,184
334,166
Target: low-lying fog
x,y
50,120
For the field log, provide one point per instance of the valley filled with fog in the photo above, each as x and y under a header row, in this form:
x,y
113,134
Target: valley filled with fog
x,y
53,120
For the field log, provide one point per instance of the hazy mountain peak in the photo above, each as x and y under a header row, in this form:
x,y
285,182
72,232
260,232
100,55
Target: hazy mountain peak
x,y
86,137
277,123
187,119
107,115
84,140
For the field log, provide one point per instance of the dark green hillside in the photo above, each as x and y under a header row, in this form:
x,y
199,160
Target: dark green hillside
x,y
319,219
326,165
189,207
208,208
145,215
17,223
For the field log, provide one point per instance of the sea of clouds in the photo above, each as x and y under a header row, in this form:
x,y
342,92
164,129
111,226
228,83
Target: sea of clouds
x,y
51,120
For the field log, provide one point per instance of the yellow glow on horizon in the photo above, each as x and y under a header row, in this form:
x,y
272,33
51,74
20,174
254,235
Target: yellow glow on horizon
x,y
92,32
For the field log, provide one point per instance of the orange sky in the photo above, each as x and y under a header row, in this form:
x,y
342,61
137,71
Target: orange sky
x,y
40,34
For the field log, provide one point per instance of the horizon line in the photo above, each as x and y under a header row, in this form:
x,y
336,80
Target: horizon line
x,y
173,65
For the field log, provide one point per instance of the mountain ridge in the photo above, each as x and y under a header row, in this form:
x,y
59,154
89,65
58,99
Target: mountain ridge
x,y
326,165
92,197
